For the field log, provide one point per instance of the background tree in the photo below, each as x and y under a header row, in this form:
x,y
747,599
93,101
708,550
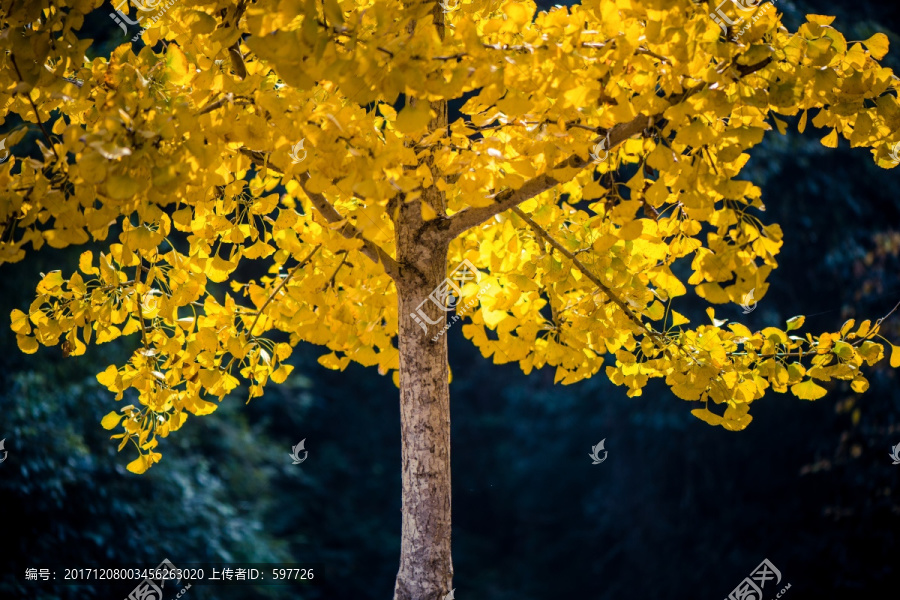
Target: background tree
x,y
181,146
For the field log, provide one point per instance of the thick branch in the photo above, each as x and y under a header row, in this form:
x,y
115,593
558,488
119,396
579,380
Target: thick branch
x,y
370,248
472,217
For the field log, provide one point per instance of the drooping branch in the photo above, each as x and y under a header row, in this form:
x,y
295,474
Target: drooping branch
x,y
613,297
369,249
283,282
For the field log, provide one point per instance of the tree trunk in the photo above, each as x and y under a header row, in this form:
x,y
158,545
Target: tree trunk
x,y
426,568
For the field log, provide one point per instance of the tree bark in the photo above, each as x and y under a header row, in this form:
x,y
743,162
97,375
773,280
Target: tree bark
x,y
426,568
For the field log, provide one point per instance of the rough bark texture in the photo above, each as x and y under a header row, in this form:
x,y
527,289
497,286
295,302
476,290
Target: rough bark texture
x,y
426,568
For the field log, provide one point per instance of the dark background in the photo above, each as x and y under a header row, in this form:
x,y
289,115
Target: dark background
x,y
679,510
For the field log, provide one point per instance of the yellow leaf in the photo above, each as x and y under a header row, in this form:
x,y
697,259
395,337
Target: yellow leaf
x,y
831,140
428,213
19,322
859,384
121,187
820,19
331,361
111,420
706,415
808,390
895,356
27,344
517,13
85,263
179,70
50,283
144,462
795,322
678,319
218,269
259,250
108,377
281,373
413,118
878,45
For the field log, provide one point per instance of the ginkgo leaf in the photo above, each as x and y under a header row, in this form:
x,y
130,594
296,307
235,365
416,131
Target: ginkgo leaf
x,y
179,69
706,415
878,45
111,420
143,462
808,390
413,118
19,322
795,322
895,356
26,343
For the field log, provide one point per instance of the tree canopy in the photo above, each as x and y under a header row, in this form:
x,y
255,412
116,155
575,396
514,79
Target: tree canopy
x,y
592,176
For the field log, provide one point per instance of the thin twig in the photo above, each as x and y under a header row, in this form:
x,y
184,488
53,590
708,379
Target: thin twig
x,y
281,285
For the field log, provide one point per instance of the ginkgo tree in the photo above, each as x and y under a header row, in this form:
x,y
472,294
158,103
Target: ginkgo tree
x,y
594,173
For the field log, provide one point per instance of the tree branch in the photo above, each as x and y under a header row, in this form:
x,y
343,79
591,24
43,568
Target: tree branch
x,y
472,217
370,248
592,278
